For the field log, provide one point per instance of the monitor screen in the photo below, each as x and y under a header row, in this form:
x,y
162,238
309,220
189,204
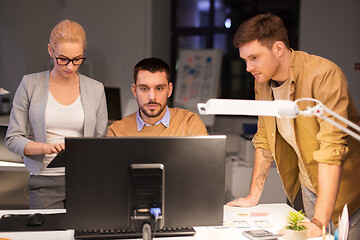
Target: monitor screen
x,y
98,178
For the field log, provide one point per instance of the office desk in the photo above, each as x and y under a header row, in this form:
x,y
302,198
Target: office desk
x,y
274,213
12,166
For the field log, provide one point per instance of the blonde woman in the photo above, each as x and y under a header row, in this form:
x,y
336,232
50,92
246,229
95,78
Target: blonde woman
x,y
51,105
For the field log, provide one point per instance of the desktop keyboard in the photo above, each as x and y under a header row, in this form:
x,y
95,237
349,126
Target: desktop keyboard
x,y
129,233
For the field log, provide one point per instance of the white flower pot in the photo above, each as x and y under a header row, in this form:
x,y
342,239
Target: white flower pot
x,y
295,235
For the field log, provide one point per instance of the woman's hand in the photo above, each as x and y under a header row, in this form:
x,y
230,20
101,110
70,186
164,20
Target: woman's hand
x,y
53,148
36,148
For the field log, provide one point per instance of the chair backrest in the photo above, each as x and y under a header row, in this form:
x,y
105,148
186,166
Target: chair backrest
x,y
5,154
113,102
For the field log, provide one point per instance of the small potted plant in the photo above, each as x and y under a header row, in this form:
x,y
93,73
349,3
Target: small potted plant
x,y
295,231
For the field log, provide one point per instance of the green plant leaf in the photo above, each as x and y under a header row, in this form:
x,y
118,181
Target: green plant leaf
x,y
294,219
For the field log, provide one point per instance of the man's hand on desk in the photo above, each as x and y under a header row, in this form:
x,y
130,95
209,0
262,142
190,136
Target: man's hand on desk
x,y
242,202
312,230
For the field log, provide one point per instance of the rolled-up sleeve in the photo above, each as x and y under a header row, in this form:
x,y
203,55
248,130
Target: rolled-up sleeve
x,y
332,90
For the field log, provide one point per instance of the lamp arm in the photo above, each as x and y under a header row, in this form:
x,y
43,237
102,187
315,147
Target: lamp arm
x,y
351,124
318,111
352,133
277,108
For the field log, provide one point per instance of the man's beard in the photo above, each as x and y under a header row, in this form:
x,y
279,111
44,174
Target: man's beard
x,y
152,113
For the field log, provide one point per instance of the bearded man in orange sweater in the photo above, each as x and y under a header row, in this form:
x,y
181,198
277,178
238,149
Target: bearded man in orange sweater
x,y
152,88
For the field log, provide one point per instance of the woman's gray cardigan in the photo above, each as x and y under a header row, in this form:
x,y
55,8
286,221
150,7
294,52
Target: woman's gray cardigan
x,y
27,117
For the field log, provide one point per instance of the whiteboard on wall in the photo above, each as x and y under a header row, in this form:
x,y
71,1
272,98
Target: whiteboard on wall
x,y
197,79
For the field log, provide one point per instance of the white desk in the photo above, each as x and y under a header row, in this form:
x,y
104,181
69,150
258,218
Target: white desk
x,y
276,215
12,166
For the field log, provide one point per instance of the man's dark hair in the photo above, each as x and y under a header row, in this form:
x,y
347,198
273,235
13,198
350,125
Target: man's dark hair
x,y
266,28
152,65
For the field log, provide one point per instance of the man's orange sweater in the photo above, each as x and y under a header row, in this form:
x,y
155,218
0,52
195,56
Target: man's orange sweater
x,y
182,123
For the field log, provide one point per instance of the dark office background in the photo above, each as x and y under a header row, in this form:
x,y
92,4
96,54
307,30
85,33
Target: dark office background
x,y
213,23
120,33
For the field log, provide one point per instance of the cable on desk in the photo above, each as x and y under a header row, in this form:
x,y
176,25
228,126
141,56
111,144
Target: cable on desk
x,y
155,212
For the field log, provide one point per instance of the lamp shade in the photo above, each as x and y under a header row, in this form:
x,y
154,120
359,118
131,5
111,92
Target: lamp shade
x,y
277,108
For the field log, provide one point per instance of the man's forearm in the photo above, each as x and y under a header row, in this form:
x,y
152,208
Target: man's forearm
x,y
262,164
329,182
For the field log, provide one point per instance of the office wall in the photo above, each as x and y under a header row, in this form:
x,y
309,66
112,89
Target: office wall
x,y
331,28
120,33
24,29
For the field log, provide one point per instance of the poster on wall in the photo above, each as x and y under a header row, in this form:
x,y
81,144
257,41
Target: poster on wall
x,y
197,79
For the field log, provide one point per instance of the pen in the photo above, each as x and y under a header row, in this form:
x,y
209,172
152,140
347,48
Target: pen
x,y
323,233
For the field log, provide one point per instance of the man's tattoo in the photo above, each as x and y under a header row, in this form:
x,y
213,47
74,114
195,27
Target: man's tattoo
x,y
264,168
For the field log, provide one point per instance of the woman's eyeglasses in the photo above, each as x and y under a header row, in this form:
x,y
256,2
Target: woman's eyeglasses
x,y
63,61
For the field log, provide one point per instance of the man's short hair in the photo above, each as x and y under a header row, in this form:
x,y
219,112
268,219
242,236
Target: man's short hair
x,y
266,28
152,65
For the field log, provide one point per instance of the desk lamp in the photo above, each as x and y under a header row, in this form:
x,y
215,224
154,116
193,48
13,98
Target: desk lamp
x,y
277,108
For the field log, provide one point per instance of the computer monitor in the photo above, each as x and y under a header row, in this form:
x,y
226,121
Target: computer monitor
x,y
98,179
113,103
